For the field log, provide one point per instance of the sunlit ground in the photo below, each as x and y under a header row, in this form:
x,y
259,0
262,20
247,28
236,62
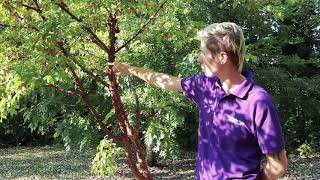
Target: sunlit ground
x,y
44,163
56,163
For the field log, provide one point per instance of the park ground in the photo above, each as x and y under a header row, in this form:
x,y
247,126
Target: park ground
x,y
56,163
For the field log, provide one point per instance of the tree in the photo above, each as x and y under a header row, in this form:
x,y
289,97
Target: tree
x,y
49,44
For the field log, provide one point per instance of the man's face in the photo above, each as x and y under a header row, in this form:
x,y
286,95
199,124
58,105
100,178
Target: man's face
x,y
209,64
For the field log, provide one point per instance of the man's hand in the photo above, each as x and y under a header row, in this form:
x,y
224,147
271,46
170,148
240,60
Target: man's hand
x,y
122,69
276,166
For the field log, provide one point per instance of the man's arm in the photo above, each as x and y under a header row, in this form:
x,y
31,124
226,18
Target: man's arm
x,y
276,166
161,80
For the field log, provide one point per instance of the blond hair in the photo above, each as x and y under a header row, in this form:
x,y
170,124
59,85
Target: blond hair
x,y
225,37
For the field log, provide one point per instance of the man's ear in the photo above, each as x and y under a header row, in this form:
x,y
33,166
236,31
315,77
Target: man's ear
x,y
223,57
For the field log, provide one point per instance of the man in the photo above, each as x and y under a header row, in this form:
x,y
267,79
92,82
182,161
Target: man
x,y
239,123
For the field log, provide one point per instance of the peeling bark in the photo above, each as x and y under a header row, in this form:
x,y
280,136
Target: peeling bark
x,y
125,127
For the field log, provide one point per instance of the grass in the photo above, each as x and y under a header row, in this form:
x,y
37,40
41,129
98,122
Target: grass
x,y
56,163
44,163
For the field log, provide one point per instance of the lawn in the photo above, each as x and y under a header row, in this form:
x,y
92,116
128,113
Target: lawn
x,y
44,163
56,163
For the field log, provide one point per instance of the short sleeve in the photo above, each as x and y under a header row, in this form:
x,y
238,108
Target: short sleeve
x,y
268,128
190,86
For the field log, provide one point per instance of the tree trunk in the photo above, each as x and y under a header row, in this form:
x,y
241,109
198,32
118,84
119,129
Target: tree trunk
x,y
125,128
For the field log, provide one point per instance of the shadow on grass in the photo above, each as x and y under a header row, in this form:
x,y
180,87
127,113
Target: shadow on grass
x,y
44,162
56,163
176,169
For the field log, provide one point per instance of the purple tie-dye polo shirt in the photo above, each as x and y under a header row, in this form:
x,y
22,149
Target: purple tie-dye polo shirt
x,y
235,130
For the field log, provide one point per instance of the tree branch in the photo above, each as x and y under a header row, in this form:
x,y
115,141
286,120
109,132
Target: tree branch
x,y
30,7
93,36
92,109
60,89
40,10
90,73
84,96
14,26
37,4
82,67
143,27
37,9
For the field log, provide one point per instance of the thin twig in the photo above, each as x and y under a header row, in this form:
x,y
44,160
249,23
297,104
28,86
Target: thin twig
x,y
30,7
14,26
83,68
37,4
37,9
142,28
91,53
90,73
71,44
60,89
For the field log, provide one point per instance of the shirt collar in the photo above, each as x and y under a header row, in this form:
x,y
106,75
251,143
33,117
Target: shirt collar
x,y
244,87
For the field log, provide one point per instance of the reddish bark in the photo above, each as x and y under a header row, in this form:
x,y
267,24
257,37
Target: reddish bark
x,y
85,98
125,127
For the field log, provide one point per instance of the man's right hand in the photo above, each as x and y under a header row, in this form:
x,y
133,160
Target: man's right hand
x,y
161,80
122,69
